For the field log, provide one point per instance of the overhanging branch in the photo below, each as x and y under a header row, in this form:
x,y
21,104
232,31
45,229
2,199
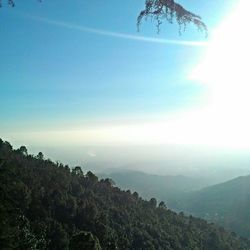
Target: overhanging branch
x,y
169,10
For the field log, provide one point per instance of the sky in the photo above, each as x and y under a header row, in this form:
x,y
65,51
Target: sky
x,y
79,74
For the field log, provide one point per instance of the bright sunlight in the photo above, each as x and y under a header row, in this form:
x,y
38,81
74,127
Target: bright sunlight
x,y
224,70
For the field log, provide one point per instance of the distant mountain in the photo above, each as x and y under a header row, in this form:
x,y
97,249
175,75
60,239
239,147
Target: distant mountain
x,y
47,205
169,188
227,204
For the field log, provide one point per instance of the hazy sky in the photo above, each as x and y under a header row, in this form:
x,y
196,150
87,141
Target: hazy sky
x,y
78,73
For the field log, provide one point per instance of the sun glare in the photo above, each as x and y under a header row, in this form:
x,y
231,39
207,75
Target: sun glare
x,y
223,122
225,71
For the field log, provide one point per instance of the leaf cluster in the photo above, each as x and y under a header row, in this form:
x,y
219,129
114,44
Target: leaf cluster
x,y
169,10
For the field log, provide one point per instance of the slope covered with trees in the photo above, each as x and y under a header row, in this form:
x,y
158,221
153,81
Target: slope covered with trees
x,y
45,205
227,204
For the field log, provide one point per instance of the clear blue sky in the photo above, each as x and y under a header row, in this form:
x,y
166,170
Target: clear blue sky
x,y
55,76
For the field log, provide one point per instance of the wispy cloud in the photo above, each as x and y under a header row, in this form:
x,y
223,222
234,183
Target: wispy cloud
x,y
81,28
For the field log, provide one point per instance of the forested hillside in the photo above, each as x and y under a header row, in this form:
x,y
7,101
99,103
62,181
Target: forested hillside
x,y
227,204
46,205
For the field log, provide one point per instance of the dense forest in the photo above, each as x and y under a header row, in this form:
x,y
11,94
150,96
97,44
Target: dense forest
x,y
47,205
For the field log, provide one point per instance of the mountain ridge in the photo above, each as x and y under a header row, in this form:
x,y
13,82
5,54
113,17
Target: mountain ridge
x,y
46,205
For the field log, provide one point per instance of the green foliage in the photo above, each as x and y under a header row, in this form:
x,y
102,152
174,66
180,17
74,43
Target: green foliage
x,y
23,150
77,171
85,241
40,156
44,205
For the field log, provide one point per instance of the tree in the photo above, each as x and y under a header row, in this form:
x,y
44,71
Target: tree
x,y
91,176
84,240
23,150
40,156
136,195
57,236
2,161
153,202
162,205
168,10
161,10
77,171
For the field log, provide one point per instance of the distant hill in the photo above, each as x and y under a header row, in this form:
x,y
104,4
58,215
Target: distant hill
x,y
227,204
169,188
47,205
